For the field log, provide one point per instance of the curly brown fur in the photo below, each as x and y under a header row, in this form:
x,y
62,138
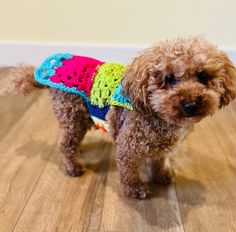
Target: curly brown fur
x,y
172,86
145,78
141,137
117,114
21,80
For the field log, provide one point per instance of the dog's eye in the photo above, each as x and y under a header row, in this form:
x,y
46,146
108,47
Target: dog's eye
x,y
171,80
203,77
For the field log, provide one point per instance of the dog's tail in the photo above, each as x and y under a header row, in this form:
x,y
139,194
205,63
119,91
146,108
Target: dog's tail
x,y
21,80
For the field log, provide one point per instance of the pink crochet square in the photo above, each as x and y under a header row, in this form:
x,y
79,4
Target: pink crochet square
x,y
77,72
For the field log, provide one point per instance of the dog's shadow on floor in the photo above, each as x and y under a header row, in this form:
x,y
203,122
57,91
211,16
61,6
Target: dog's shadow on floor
x,y
95,154
35,148
160,210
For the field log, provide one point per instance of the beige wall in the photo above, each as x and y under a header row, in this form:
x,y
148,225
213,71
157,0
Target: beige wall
x,y
117,22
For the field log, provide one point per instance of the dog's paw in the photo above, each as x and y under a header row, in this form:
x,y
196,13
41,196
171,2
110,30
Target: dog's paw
x,y
164,177
75,170
136,190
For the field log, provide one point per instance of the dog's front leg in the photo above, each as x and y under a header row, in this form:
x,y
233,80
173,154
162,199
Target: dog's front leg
x,y
128,163
131,146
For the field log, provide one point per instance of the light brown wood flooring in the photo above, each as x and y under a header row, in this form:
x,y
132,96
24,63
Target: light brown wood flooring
x,y
36,196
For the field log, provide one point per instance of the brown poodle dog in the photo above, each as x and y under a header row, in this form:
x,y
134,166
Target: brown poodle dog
x,y
172,86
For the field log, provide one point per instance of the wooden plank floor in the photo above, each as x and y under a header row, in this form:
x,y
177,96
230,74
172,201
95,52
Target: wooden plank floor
x,y
36,196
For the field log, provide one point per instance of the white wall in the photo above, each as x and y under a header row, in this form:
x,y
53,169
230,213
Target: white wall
x,y
134,22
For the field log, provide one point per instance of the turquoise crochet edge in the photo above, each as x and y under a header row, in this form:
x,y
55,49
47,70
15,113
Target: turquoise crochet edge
x,y
46,70
118,99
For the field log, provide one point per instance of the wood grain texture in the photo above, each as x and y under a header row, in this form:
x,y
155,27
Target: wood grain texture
x,y
160,213
72,204
23,155
13,107
3,73
206,175
36,195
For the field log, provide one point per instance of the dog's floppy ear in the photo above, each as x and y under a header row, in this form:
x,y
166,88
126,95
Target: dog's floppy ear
x,y
135,83
228,82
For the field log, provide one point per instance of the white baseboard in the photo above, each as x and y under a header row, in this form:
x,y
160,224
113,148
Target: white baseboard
x,y
35,53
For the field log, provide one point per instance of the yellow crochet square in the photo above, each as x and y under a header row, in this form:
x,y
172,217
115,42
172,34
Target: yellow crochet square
x,y
105,82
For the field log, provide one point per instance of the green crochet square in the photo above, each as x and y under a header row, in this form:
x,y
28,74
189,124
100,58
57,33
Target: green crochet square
x,y
105,82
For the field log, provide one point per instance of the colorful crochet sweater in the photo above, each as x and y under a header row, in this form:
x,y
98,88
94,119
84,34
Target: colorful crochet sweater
x,y
97,82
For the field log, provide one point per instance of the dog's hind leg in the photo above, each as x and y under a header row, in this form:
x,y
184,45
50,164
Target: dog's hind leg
x,y
72,113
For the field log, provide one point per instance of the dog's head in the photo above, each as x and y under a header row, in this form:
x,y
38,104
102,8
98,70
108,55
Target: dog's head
x,y
182,80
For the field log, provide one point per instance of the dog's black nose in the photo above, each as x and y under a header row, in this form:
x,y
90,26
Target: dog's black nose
x,y
190,108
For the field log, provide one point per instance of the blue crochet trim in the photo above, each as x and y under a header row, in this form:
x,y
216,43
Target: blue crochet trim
x,y
47,69
118,95
99,112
